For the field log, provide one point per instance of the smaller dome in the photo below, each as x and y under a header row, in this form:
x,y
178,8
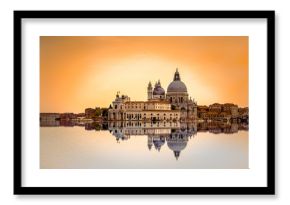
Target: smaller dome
x,y
158,143
176,145
158,90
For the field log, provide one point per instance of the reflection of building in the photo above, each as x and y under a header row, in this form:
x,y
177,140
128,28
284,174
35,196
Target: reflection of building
x,y
173,106
49,119
67,116
177,141
158,141
118,133
49,123
176,134
219,127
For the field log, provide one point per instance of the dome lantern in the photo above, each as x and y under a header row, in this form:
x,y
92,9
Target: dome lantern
x,y
176,86
176,75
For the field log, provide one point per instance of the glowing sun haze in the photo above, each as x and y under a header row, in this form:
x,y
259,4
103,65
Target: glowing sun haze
x,y
87,71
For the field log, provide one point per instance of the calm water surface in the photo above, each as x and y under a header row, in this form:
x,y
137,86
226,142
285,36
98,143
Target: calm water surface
x,y
143,145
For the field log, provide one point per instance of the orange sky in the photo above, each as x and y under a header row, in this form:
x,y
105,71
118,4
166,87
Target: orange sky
x,y
81,72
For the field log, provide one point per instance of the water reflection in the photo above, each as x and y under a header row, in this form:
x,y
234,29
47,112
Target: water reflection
x,y
175,134
159,134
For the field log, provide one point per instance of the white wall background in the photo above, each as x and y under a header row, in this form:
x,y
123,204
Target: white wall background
x,y
282,98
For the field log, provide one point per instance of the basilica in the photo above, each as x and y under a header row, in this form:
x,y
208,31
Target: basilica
x,y
173,105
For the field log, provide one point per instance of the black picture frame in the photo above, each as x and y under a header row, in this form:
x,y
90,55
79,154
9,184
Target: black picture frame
x,y
269,189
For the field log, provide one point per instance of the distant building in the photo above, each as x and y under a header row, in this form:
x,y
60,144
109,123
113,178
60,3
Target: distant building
x,y
49,116
174,105
80,115
67,116
218,111
230,108
202,110
243,111
49,119
90,112
216,107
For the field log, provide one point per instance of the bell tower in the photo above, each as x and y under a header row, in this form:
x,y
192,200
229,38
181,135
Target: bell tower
x,y
149,91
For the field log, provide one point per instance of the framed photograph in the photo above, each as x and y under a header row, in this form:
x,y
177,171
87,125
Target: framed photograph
x,y
144,102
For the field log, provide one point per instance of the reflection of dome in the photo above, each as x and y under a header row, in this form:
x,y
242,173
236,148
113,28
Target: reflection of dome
x,y
120,135
149,146
158,143
176,145
177,85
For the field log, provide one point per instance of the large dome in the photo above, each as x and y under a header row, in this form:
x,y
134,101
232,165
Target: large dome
x,y
177,85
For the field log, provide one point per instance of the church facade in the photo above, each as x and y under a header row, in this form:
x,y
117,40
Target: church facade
x,y
173,105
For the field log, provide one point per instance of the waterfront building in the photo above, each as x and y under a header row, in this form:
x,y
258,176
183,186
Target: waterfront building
x,y
67,116
49,116
90,112
219,112
175,105
231,108
243,111
49,119
216,107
